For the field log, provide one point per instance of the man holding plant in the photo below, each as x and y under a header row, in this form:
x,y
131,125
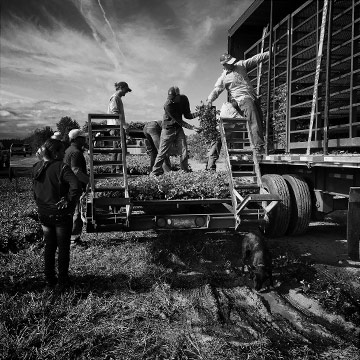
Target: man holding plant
x,y
235,80
172,130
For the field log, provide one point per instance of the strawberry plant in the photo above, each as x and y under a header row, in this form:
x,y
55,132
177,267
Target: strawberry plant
x,y
208,123
176,185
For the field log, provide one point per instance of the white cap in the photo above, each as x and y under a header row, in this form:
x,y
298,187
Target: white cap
x,y
75,133
56,135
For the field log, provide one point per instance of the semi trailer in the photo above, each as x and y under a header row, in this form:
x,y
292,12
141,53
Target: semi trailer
x,y
309,90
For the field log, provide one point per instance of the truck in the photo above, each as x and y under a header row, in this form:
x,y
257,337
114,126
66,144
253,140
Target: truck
x,y
4,157
309,93
310,96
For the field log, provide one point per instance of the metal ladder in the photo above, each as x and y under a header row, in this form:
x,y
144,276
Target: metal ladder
x,y
100,209
244,171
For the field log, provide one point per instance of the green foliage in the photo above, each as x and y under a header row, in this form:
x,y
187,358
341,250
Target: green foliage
x,y
177,185
136,125
279,116
208,123
18,216
66,124
198,147
40,136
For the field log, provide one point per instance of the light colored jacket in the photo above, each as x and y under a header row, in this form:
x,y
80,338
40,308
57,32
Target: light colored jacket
x,y
237,81
115,107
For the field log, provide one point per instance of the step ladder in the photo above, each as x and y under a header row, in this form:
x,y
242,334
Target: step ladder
x,y
242,163
107,209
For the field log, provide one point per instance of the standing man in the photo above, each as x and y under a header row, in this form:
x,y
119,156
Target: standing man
x,y
116,107
172,130
235,80
56,191
74,157
152,132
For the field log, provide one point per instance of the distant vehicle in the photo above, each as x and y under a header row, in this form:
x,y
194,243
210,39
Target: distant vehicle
x,y
18,149
4,156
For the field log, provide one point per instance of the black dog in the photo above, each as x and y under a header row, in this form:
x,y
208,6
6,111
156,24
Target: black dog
x,y
256,253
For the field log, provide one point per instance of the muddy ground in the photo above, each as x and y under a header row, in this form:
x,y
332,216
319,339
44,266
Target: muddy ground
x,y
315,301
314,304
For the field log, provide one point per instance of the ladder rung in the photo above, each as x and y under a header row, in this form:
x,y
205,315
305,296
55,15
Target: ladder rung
x,y
243,173
109,188
107,150
240,159
106,138
238,141
263,197
239,151
111,201
237,119
95,127
98,176
107,162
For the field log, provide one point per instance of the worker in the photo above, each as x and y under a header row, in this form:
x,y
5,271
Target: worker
x,y
235,80
56,192
152,133
172,131
74,157
116,106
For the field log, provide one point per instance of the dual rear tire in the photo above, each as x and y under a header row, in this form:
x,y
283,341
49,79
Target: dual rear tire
x,y
292,214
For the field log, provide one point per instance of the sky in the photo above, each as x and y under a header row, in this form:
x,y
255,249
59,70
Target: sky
x,y
62,57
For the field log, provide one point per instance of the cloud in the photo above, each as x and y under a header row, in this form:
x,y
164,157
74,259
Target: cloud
x,y
60,68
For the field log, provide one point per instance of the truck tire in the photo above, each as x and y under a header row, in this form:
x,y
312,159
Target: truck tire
x,y
300,199
279,217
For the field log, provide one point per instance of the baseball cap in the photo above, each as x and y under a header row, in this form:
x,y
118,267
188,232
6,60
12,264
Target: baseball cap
x,y
227,59
56,135
122,84
172,92
75,133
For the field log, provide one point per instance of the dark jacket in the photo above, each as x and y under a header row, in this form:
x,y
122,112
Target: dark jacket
x,y
74,157
53,180
175,109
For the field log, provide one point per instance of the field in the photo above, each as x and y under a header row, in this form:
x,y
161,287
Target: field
x,y
175,295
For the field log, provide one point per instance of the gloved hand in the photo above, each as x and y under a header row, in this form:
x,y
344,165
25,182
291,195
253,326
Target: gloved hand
x,y
62,204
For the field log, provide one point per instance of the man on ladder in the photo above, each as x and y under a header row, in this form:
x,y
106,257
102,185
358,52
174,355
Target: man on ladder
x,y
235,80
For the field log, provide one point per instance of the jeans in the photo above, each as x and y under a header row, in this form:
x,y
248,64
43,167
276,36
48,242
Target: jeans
x,y
252,111
77,223
117,145
168,137
213,154
57,233
152,132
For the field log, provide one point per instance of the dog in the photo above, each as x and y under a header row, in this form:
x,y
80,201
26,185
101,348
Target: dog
x,y
256,254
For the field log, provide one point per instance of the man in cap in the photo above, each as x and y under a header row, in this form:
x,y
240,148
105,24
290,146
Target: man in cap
x,y
116,107
56,135
172,131
74,157
235,80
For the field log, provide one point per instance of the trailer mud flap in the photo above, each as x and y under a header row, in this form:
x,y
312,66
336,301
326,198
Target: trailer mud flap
x,y
353,224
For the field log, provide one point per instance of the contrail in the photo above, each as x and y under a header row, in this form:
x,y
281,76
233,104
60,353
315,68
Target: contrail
x,y
111,29
85,12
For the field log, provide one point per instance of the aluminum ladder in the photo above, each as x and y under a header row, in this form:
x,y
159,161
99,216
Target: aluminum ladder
x,y
107,210
242,163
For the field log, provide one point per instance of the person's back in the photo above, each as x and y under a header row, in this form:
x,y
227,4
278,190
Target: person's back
x,y
56,193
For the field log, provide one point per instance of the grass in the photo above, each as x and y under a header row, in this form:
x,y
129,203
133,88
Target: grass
x,y
125,304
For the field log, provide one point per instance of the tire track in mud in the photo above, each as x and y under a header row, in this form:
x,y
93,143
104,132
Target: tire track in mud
x,y
243,317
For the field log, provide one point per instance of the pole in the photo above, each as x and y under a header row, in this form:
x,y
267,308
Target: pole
x,y
269,79
317,74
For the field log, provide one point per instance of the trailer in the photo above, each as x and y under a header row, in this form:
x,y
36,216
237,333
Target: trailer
x,y
310,95
105,210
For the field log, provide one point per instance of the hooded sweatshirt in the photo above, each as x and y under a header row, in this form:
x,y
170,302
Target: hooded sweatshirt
x,y
53,180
